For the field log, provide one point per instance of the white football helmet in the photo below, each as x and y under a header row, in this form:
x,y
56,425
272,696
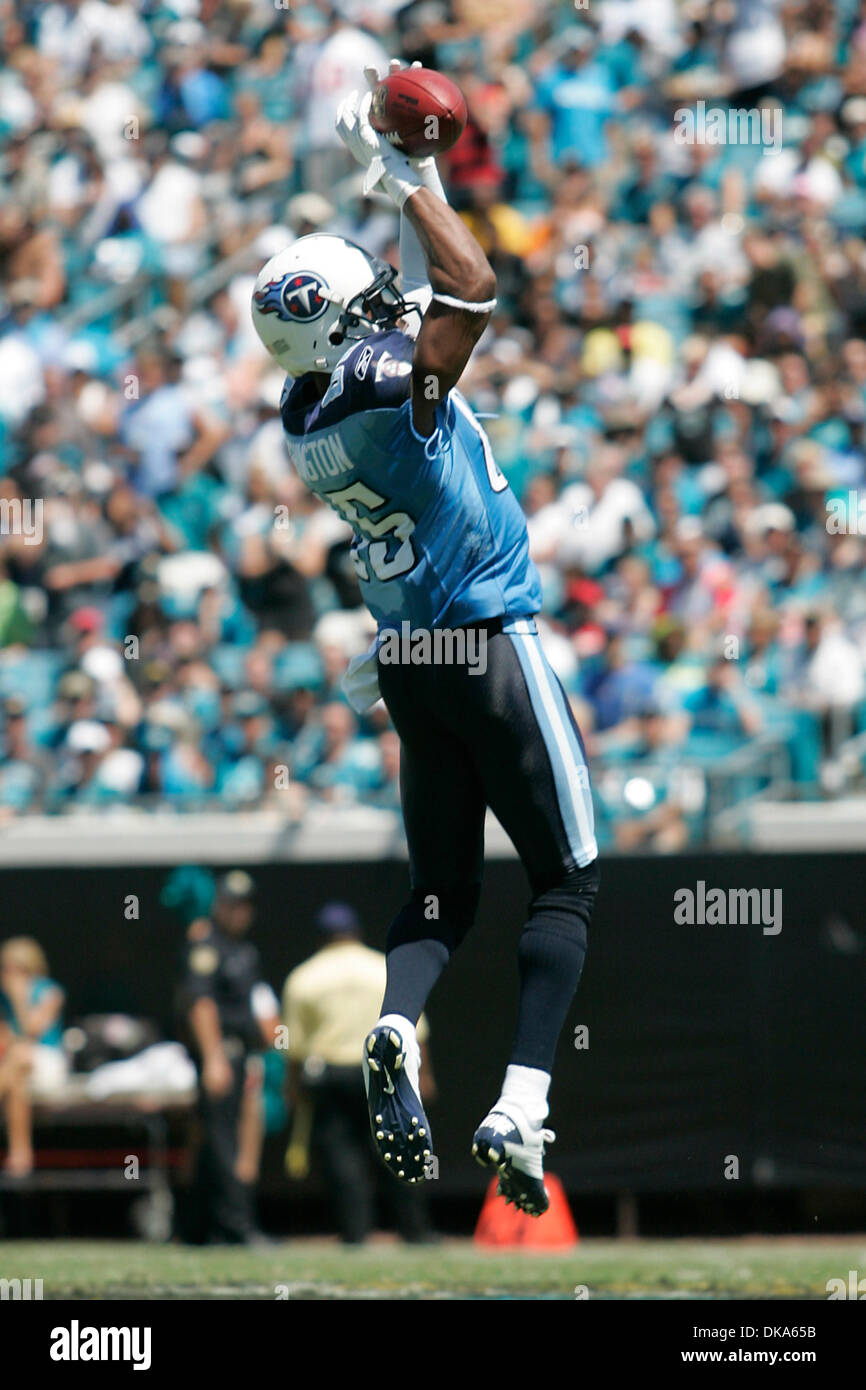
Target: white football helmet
x,y
313,298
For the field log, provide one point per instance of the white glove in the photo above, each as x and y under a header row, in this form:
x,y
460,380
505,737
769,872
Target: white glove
x,y
425,167
384,164
361,679
400,178
399,175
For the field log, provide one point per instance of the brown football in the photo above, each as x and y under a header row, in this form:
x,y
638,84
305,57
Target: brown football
x,y
420,111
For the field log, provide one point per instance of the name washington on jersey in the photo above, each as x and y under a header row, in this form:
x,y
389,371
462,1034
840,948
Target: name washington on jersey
x,y
317,459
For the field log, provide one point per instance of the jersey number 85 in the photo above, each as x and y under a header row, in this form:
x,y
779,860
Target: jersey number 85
x,y
381,533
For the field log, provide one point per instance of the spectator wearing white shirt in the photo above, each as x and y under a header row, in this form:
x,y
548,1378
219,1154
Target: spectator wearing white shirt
x,y
336,69
63,36
118,29
602,517
171,210
831,677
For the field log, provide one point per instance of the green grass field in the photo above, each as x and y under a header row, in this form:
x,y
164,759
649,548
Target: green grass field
x,y
321,1269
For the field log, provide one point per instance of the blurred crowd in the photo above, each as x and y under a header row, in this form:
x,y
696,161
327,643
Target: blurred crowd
x,y
674,383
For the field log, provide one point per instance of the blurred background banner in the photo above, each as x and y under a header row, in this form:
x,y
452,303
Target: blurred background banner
x,y
689,1045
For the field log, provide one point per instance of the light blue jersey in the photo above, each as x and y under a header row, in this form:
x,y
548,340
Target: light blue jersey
x,y
440,539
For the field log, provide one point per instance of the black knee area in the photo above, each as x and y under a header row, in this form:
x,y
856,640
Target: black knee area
x,y
435,914
566,906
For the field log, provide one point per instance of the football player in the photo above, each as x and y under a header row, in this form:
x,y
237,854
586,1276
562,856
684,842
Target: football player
x,y
377,428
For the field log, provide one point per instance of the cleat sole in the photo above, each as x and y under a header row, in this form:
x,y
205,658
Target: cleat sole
x,y
396,1122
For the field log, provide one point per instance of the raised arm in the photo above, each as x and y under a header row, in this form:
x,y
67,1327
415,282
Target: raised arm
x,y
460,276
463,286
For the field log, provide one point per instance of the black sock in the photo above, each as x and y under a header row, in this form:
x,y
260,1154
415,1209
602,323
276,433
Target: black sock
x,y
413,970
550,959
421,940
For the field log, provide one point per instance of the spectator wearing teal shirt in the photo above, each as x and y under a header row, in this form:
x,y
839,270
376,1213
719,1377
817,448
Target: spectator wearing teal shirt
x,y
578,95
724,714
32,1060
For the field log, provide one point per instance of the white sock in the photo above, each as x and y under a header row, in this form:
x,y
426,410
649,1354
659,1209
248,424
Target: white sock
x,y
406,1028
527,1087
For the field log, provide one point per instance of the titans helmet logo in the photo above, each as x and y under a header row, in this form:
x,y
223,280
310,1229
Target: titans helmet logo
x,y
297,296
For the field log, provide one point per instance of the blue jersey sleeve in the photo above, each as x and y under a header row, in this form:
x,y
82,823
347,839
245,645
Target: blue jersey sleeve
x,y
374,374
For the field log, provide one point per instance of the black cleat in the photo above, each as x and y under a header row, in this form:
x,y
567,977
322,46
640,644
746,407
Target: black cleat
x,y
399,1126
515,1150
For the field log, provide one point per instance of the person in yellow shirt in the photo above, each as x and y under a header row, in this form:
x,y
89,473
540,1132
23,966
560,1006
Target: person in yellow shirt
x,y
329,1005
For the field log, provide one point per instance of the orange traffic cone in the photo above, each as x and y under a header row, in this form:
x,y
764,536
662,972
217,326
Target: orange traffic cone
x,y
500,1224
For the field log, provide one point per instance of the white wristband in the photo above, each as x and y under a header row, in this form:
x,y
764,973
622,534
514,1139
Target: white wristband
x,y
474,307
395,175
428,172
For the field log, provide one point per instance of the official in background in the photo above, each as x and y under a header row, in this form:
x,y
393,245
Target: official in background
x,y
329,1005
230,1015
